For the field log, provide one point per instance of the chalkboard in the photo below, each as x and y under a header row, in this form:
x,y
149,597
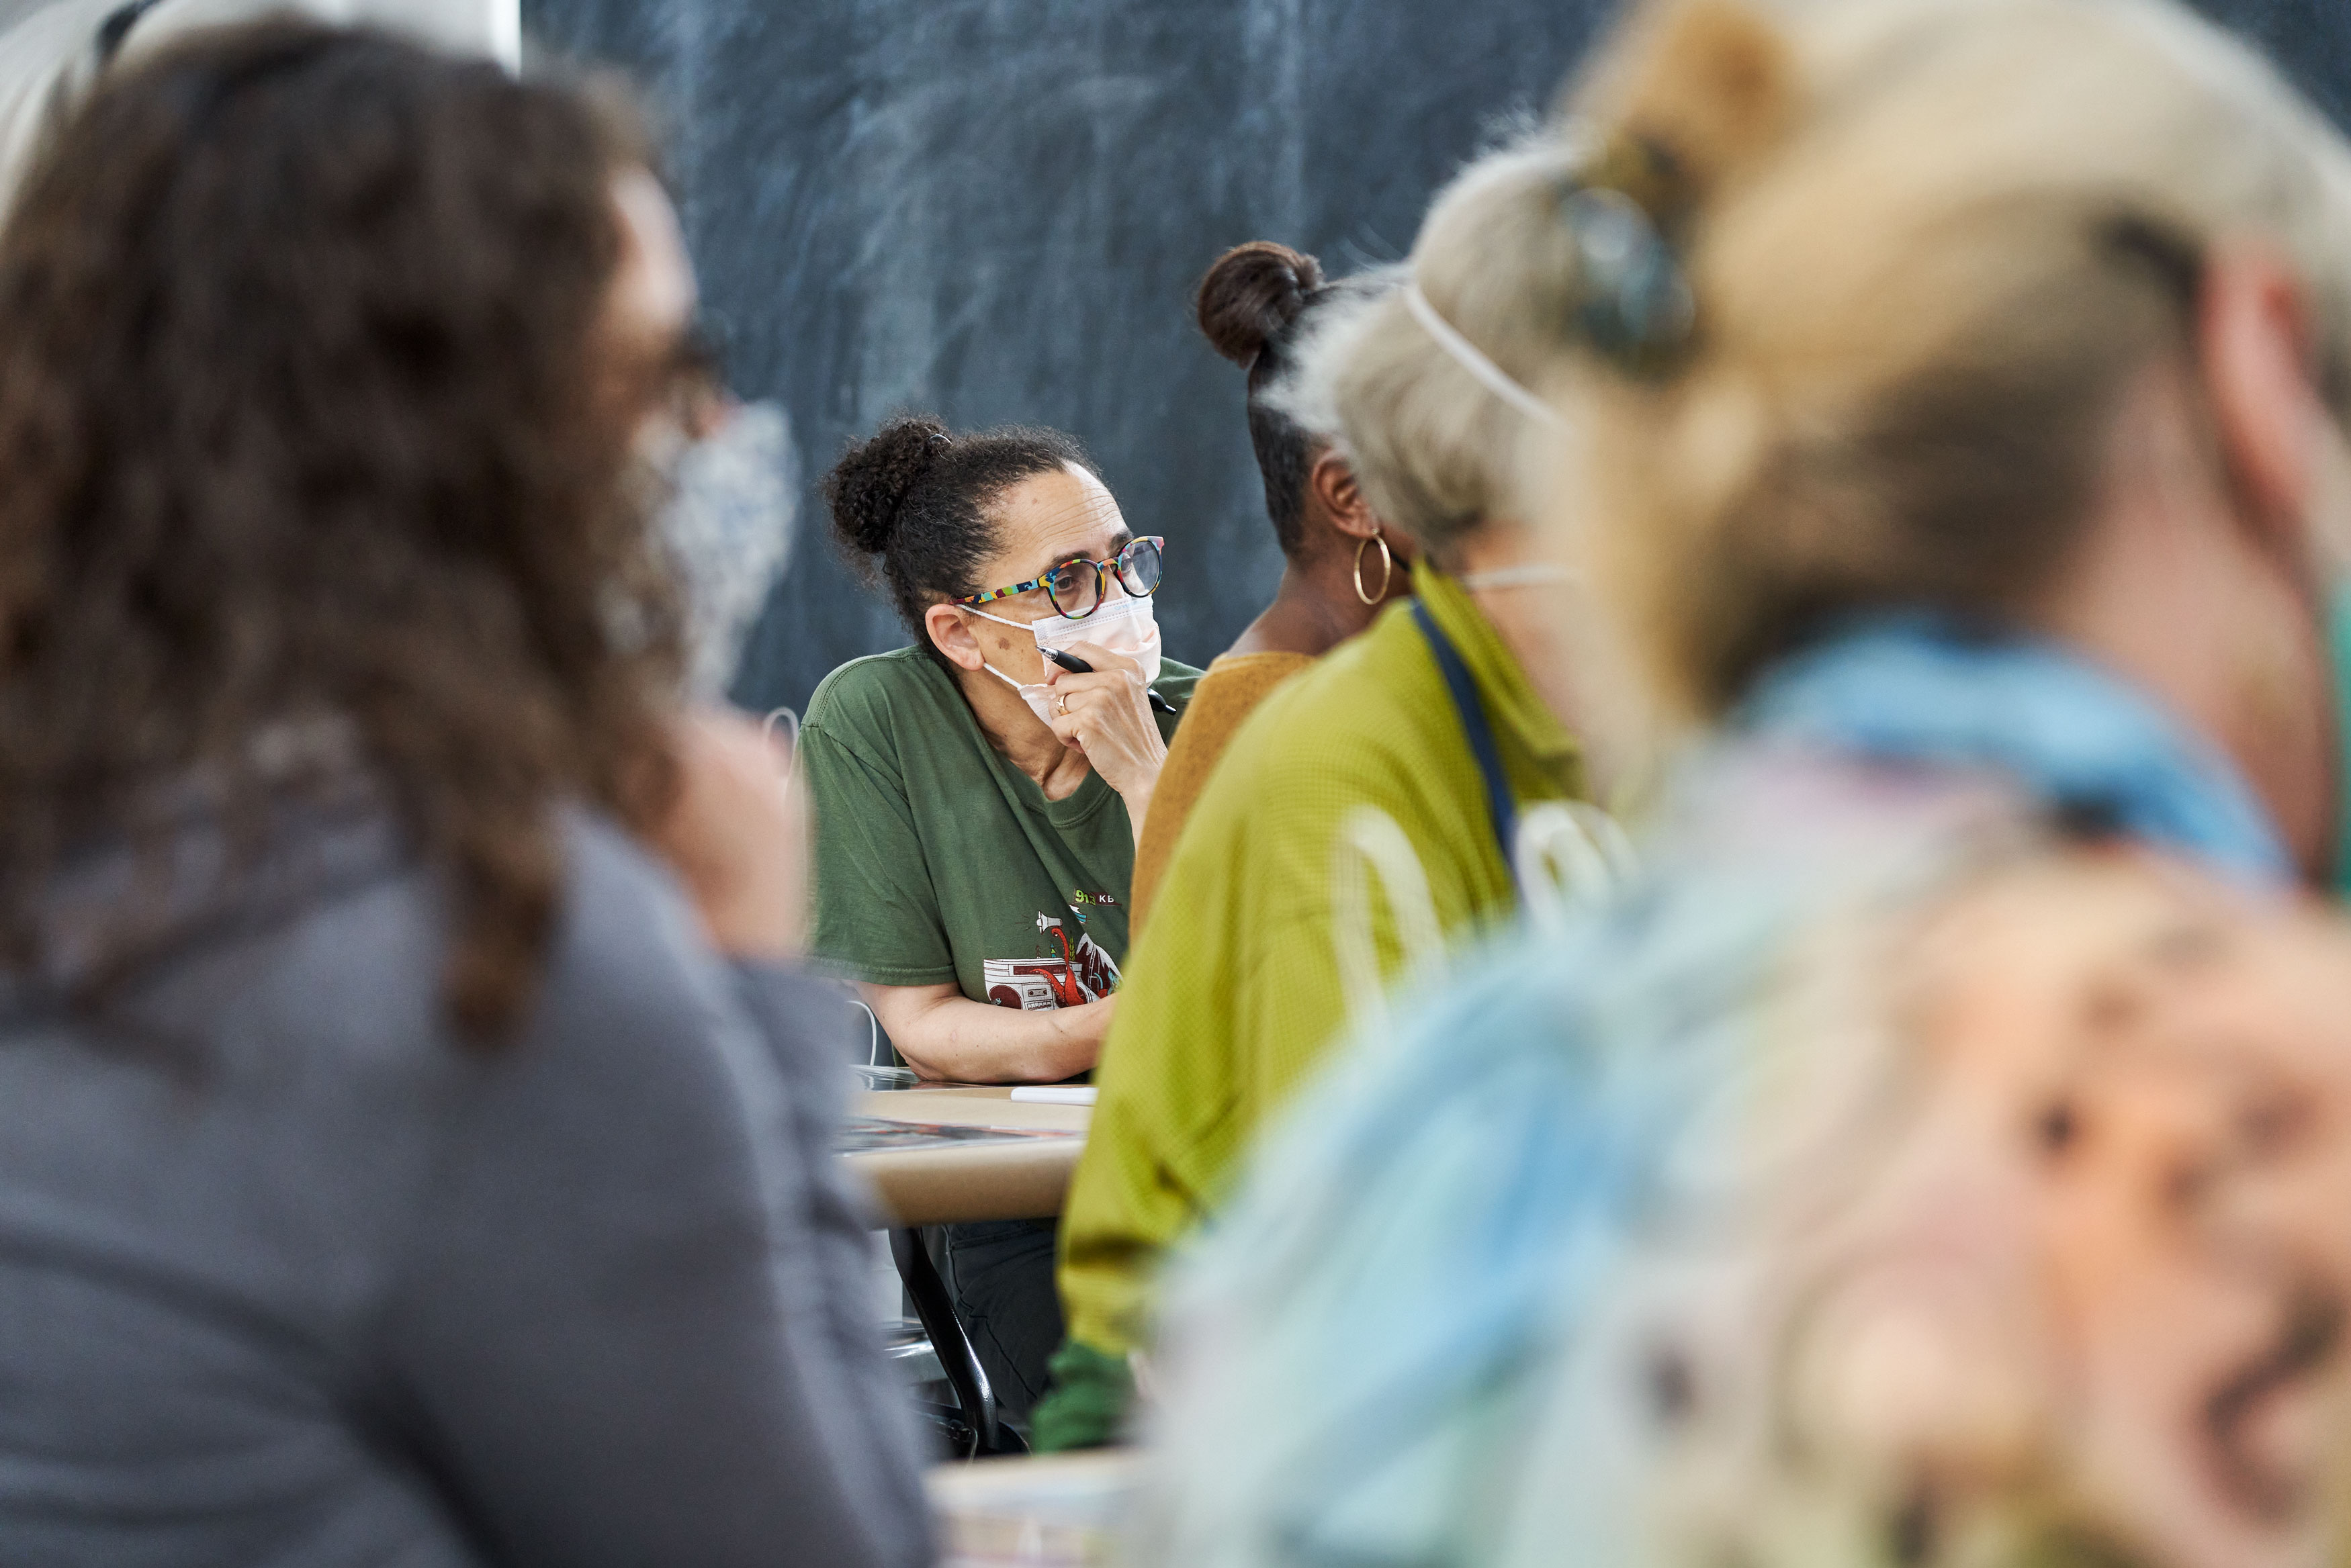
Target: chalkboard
x,y
995,210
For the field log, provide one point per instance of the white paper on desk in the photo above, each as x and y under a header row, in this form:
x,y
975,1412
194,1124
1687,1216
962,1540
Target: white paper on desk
x,y
1055,1093
1055,1511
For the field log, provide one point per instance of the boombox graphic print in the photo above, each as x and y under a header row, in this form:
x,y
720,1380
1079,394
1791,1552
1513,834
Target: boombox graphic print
x,y
1055,975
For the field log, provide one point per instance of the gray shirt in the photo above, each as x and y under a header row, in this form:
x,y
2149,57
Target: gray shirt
x,y
288,1275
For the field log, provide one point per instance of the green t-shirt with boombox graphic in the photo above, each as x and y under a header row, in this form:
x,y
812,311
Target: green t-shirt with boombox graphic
x,y
938,860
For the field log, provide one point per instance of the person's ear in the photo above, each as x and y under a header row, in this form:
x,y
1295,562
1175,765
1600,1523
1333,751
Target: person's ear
x,y
950,633
2254,338
1330,484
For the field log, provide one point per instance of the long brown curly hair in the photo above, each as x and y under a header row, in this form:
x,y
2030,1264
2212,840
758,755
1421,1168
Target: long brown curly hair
x,y
307,421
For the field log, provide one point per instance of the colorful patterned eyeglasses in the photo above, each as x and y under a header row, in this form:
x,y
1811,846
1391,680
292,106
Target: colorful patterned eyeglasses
x,y
1075,588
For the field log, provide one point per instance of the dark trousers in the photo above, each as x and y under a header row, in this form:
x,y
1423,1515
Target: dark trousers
x,y
1003,1271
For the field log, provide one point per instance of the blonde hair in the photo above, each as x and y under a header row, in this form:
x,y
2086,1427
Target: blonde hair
x,y
1929,243
1437,452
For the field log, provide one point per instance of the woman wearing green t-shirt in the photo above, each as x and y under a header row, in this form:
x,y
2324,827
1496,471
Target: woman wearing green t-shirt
x,y
977,802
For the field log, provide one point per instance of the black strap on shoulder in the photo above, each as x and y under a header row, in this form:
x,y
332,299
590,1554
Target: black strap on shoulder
x,y
1500,804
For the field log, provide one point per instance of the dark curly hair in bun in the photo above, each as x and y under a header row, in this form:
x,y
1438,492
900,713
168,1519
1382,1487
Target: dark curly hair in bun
x,y
1249,306
909,505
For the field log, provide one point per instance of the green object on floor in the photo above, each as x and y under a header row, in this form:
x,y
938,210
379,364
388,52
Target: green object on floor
x,y
1086,1406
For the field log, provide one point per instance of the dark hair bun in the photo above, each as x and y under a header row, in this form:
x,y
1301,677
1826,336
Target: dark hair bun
x,y
867,489
1252,295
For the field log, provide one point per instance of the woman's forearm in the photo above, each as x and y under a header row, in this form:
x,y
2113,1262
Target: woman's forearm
x,y
1138,806
944,1034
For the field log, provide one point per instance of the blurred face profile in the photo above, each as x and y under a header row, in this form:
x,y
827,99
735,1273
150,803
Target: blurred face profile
x,y
653,293
2115,1248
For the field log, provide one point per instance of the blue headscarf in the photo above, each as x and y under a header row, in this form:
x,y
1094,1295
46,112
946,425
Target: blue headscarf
x,y
1921,687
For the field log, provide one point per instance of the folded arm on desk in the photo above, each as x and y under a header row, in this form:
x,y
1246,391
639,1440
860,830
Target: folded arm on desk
x,y
945,1035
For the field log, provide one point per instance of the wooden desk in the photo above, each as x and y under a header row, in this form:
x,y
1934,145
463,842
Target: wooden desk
x,y
1062,1511
1015,1177
935,1177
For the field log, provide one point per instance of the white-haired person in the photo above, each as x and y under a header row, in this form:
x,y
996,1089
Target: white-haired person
x,y
1455,713
1933,1158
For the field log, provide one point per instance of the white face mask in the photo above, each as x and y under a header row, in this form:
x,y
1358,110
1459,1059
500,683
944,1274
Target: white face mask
x,y
1126,625
1527,575
728,525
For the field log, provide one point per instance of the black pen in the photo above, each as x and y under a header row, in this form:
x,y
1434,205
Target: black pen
x,y
1076,666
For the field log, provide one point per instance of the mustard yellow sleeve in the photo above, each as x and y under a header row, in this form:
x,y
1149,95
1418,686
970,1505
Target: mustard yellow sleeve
x,y
1231,996
1163,1087
1227,695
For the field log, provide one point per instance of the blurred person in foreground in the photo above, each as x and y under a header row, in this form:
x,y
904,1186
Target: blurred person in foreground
x,y
1256,304
416,1140
1936,1159
1445,718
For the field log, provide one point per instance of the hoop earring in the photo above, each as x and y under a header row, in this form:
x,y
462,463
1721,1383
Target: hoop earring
x,y
1387,569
